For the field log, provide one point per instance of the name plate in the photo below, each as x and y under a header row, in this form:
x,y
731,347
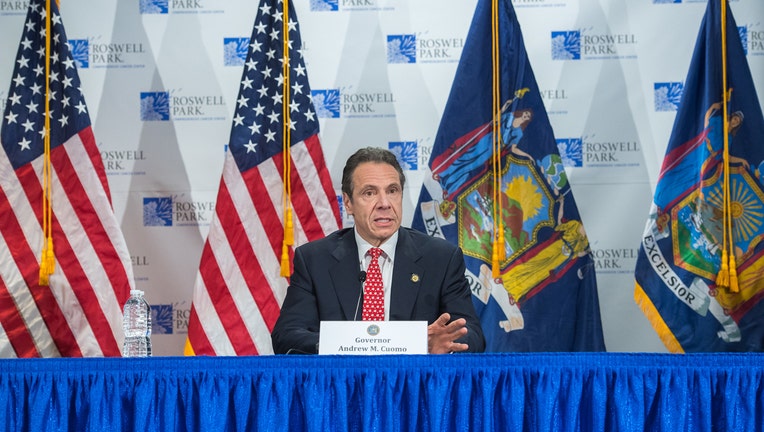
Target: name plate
x,y
373,337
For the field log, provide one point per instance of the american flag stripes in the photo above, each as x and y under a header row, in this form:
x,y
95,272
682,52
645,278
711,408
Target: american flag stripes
x,y
80,312
239,290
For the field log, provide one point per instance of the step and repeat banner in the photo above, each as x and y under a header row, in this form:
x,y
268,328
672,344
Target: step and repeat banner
x,y
161,77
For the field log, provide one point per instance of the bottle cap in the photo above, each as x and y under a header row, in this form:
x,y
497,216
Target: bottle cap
x,y
136,292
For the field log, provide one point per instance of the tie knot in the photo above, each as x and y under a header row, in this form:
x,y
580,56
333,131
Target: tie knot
x,y
375,252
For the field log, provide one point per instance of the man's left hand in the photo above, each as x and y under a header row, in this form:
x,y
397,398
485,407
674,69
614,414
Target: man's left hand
x,y
441,335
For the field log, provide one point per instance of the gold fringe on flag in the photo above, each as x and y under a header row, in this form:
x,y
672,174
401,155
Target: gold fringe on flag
x,y
286,150
727,276
656,320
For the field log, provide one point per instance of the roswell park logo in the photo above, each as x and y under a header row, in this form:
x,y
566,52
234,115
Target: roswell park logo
x,y
123,162
13,7
170,318
752,39
177,6
336,103
586,44
556,100
347,5
615,260
176,211
90,53
175,105
589,151
413,48
412,155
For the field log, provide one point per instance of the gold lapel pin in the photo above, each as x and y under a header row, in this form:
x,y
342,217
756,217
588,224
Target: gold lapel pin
x,y
414,277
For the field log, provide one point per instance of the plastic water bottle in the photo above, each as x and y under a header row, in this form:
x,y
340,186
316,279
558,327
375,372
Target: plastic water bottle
x,y
136,324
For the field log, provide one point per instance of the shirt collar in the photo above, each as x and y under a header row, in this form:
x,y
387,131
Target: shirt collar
x,y
388,247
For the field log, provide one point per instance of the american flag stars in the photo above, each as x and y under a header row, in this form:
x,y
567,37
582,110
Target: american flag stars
x,y
24,118
256,134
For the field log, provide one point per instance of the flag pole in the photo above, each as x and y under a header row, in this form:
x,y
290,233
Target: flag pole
x,y
287,138
47,259
727,276
498,252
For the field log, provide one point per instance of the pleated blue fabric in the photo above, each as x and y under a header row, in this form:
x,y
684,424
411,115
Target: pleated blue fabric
x,y
473,392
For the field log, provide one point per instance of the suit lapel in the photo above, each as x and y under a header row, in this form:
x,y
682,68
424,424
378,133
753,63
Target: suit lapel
x,y
344,273
407,278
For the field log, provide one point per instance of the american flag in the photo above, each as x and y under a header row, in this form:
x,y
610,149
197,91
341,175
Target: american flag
x,y
80,312
239,290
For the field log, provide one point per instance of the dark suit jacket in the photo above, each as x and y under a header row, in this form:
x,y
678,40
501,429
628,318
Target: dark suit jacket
x,y
325,286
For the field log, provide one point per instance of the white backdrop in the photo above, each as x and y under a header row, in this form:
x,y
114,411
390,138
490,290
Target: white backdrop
x,y
612,110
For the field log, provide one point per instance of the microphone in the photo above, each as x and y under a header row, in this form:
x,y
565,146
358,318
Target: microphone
x,y
362,279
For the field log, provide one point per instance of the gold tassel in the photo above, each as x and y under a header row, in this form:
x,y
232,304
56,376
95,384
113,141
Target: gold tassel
x,y
723,277
733,286
500,243
289,228
50,259
43,281
495,262
47,263
44,266
284,260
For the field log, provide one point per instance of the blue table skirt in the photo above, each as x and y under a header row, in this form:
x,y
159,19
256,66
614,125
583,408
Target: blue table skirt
x,y
496,392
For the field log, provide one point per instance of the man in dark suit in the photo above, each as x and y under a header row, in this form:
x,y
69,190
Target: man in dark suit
x,y
423,277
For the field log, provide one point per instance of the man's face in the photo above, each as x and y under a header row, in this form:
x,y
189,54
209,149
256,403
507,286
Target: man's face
x,y
376,202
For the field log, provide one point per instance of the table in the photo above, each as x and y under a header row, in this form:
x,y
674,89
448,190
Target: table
x,y
460,392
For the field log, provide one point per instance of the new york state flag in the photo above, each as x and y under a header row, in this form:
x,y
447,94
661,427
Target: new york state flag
x,y
543,296
701,258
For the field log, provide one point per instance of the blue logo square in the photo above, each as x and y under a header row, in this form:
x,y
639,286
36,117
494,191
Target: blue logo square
x,y
80,52
743,31
155,106
566,45
406,153
157,211
324,5
154,6
161,319
667,95
401,48
571,151
235,51
326,103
